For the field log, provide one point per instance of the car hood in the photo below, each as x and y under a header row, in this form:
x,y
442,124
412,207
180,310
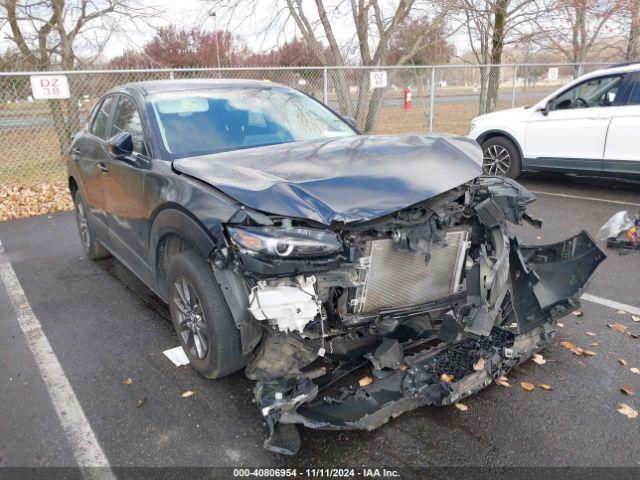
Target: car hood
x,y
349,179
504,114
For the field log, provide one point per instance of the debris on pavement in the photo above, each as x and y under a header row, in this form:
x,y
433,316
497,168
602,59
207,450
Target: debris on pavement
x,y
546,386
177,356
128,381
622,232
628,390
623,362
187,394
635,370
141,402
462,407
577,350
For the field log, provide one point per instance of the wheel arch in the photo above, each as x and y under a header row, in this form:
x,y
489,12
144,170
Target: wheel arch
x,y
174,229
73,185
489,134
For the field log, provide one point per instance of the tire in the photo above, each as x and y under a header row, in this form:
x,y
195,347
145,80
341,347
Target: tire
x,y
501,157
92,248
208,320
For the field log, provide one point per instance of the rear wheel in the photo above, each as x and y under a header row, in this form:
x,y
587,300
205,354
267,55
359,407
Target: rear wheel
x,y
501,157
206,330
92,248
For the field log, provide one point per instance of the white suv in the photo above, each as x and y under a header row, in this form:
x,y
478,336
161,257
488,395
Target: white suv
x,y
591,125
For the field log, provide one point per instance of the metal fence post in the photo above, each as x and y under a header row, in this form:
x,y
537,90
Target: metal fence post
x,y
325,86
513,86
432,98
170,74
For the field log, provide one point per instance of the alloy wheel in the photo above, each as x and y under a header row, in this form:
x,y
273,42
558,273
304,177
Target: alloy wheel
x,y
496,160
190,318
83,226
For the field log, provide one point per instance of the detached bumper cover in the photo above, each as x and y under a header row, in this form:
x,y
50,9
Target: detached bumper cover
x,y
544,284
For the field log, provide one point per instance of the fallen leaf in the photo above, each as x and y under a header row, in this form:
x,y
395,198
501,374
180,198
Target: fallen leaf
x,y
187,394
623,362
141,402
445,377
635,370
561,325
635,318
529,387
479,365
539,359
577,350
625,409
627,390
591,334
569,345
577,313
621,312
618,327
462,407
546,386
503,381
404,367
128,381
594,344
364,381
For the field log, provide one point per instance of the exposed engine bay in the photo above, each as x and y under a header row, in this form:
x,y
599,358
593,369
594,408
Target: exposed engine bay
x,y
362,321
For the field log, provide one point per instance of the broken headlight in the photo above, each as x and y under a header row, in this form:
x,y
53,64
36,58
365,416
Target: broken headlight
x,y
285,242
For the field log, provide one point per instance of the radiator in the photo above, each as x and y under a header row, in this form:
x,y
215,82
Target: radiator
x,y
398,278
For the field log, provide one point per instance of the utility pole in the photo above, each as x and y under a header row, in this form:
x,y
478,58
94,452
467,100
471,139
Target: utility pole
x,y
215,36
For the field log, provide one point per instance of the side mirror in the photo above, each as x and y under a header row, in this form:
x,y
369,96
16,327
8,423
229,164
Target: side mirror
x,y
547,108
120,145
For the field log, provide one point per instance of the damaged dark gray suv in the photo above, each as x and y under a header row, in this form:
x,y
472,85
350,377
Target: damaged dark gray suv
x,y
355,277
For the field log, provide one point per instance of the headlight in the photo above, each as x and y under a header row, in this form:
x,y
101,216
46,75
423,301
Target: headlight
x,y
285,242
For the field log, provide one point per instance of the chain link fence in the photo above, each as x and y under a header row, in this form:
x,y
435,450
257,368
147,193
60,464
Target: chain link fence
x,y
35,133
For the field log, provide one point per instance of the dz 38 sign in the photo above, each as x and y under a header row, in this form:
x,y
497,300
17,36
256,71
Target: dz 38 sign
x,y
49,87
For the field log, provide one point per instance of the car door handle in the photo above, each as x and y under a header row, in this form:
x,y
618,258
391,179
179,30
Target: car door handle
x,y
103,167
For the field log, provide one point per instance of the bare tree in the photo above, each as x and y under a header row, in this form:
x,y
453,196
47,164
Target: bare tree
x,y
49,34
375,23
491,25
574,28
631,10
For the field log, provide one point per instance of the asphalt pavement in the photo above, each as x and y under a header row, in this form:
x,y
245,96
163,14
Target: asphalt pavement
x,y
104,326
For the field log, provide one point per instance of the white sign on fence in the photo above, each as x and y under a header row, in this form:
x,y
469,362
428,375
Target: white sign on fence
x,y
49,87
552,75
377,79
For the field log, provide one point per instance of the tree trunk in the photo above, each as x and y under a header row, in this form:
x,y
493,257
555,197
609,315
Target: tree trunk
x,y
633,47
497,45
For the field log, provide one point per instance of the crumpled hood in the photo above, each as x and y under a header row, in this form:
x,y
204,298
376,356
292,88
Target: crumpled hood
x,y
348,179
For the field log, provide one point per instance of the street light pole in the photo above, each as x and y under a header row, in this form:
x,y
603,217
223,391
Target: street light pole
x,y
215,36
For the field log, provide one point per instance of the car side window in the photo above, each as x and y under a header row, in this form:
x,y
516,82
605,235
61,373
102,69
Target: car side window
x,y
634,99
101,119
127,119
597,92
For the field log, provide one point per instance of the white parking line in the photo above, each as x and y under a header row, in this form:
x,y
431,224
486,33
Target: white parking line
x,y
81,437
580,197
611,303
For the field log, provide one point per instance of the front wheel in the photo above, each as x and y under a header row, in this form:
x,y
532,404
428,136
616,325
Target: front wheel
x,y
201,317
501,157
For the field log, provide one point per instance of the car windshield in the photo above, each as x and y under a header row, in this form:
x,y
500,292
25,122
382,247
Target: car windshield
x,y
215,120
